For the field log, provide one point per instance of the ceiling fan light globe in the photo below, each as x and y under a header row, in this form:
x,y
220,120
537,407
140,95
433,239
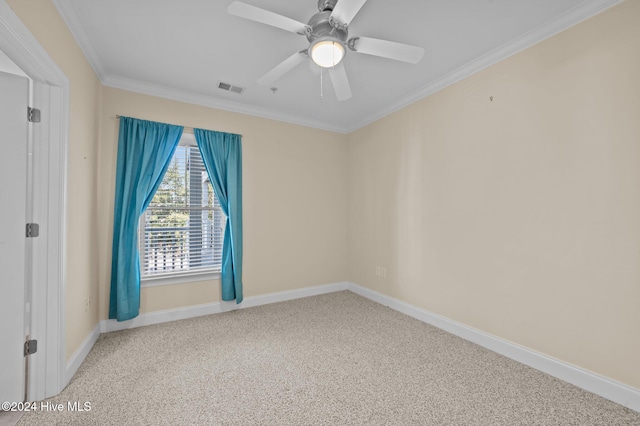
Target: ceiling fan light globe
x,y
327,53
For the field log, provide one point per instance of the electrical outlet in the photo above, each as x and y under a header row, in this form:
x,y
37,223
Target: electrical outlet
x,y
381,271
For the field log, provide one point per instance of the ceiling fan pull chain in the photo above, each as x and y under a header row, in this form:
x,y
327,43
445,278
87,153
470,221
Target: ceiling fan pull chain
x,y
321,88
328,35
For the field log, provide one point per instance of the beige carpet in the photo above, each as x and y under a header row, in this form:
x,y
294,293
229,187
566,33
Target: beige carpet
x,y
9,418
335,359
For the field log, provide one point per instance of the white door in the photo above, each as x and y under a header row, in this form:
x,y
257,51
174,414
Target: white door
x,y
14,95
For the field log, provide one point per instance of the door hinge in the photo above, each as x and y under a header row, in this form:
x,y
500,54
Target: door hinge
x,y
33,230
33,115
30,347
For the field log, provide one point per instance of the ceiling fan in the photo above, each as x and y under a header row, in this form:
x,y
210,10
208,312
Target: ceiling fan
x,y
328,34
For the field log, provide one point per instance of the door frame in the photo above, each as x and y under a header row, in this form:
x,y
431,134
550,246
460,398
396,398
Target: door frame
x,y
47,375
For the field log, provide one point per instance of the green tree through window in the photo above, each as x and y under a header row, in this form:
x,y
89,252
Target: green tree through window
x,y
181,231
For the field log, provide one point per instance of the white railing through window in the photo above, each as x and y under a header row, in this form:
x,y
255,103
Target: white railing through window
x,y
182,229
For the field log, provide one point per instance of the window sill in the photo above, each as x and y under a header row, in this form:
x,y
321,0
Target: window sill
x,y
179,279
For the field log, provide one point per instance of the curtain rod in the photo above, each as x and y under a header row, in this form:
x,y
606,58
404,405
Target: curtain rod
x,y
185,130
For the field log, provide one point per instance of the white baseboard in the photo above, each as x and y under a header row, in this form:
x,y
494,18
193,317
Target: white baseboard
x,y
80,354
157,317
283,296
584,379
607,388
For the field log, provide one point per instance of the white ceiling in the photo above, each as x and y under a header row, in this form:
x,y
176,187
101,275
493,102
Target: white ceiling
x,y
181,49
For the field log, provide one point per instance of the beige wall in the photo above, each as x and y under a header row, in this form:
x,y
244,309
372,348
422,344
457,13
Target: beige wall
x,y
44,22
294,192
517,216
294,200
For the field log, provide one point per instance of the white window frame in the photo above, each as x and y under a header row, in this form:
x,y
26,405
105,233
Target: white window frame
x,y
187,139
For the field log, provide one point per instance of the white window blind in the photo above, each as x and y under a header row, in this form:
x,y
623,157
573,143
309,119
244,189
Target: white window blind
x,y
182,229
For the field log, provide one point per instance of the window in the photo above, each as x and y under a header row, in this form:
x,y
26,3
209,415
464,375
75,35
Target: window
x,y
182,229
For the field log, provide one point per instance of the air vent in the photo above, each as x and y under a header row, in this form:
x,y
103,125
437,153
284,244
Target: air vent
x,y
230,88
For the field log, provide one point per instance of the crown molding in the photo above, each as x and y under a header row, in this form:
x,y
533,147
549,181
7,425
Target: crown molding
x,y
72,20
195,98
68,13
586,10
562,22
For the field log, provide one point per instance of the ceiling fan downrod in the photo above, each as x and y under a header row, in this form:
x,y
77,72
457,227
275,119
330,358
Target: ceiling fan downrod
x,y
326,5
328,35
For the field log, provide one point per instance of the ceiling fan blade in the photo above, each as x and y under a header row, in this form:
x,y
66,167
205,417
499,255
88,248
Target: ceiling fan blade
x,y
340,82
253,13
284,67
388,49
346,10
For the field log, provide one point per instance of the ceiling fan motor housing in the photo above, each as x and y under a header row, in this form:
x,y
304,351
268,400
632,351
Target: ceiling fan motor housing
x,y
323,27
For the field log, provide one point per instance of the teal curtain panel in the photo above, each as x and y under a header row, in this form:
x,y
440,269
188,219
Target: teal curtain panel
x,y
145,149
222,157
